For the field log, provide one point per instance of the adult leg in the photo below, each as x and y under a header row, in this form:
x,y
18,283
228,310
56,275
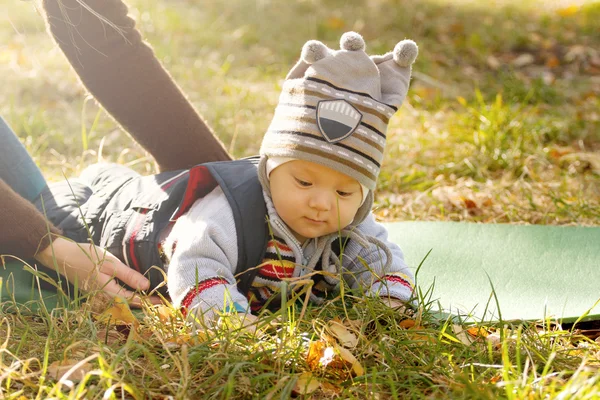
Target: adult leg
x,y
17,168
121,71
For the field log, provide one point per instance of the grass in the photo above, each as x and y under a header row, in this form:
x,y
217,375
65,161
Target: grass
x,y
501,125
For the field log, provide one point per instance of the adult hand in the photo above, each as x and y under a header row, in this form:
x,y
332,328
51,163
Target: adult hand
x,y
94,268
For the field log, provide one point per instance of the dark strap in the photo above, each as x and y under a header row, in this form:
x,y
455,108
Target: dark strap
x,y
240,184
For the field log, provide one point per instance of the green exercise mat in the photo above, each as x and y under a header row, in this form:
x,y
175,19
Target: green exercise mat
x,y
536,271
21,288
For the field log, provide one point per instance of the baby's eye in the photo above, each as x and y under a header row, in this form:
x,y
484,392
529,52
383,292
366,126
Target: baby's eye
x,y
303,183
344,194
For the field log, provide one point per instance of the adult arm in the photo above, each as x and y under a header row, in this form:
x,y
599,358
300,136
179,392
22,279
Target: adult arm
x,y
121,71
24,231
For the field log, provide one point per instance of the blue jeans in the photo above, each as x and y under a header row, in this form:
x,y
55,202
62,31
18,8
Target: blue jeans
x,y
17,168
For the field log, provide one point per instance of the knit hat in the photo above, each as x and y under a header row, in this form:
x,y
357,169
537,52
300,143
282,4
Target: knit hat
x,y
335,107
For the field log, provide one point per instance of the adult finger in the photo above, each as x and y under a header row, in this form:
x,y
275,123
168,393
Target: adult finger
x,y
134,299
114,267
137,301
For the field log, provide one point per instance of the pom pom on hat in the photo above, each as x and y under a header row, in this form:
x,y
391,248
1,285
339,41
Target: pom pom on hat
x,y
352,41
313,51
405,53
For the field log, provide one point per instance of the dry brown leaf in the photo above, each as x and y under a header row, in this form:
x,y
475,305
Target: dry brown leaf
x,y
469,204
330,390
461,335
110,336
407,323
334,358
523,60
58,369
345,337
119,314
582,161
552,61
494,339
306,384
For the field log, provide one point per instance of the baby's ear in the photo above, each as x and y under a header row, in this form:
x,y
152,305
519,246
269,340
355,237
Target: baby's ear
x,y
312,51
394,70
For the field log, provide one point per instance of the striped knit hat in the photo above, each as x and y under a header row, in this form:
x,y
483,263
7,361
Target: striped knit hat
x,y
335,106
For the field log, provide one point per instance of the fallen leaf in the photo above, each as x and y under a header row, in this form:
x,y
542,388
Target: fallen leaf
x,y
552,61
110,336
165,314
306,384
477,331
494,339
568,11
335,23
349,358
407,323
469,204
493,62
582,161
523,60
58,369
461,335
345,337
330,390
333,358
119,314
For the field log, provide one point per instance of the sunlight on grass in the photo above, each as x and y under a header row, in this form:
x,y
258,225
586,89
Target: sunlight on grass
x,y
501,124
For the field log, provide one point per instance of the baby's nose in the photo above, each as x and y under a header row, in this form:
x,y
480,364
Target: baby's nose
x,y
320,201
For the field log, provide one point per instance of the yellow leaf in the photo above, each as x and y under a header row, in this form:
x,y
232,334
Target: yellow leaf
x,y
70,368
335,23
345,337
476,331
350,359
462,101
306,383
119,314
165,313
568,11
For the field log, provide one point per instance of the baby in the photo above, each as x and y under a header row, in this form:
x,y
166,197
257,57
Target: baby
x,y
318,167
230,234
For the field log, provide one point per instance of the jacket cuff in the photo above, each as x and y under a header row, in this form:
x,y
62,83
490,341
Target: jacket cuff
x,y
210,296
398,286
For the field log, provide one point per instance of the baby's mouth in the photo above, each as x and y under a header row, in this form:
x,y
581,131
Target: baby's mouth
x,y
316,221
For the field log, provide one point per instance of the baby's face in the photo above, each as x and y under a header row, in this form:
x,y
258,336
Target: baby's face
x,y
314,200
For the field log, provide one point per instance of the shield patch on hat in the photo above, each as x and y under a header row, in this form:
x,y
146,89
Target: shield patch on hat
x,y
337,119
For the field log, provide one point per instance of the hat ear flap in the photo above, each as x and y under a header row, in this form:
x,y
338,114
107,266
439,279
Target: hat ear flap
x,y
312,51
394,70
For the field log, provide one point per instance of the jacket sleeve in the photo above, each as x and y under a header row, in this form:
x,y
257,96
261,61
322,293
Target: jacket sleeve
x,y
24,231
121,71
202,251
367,268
